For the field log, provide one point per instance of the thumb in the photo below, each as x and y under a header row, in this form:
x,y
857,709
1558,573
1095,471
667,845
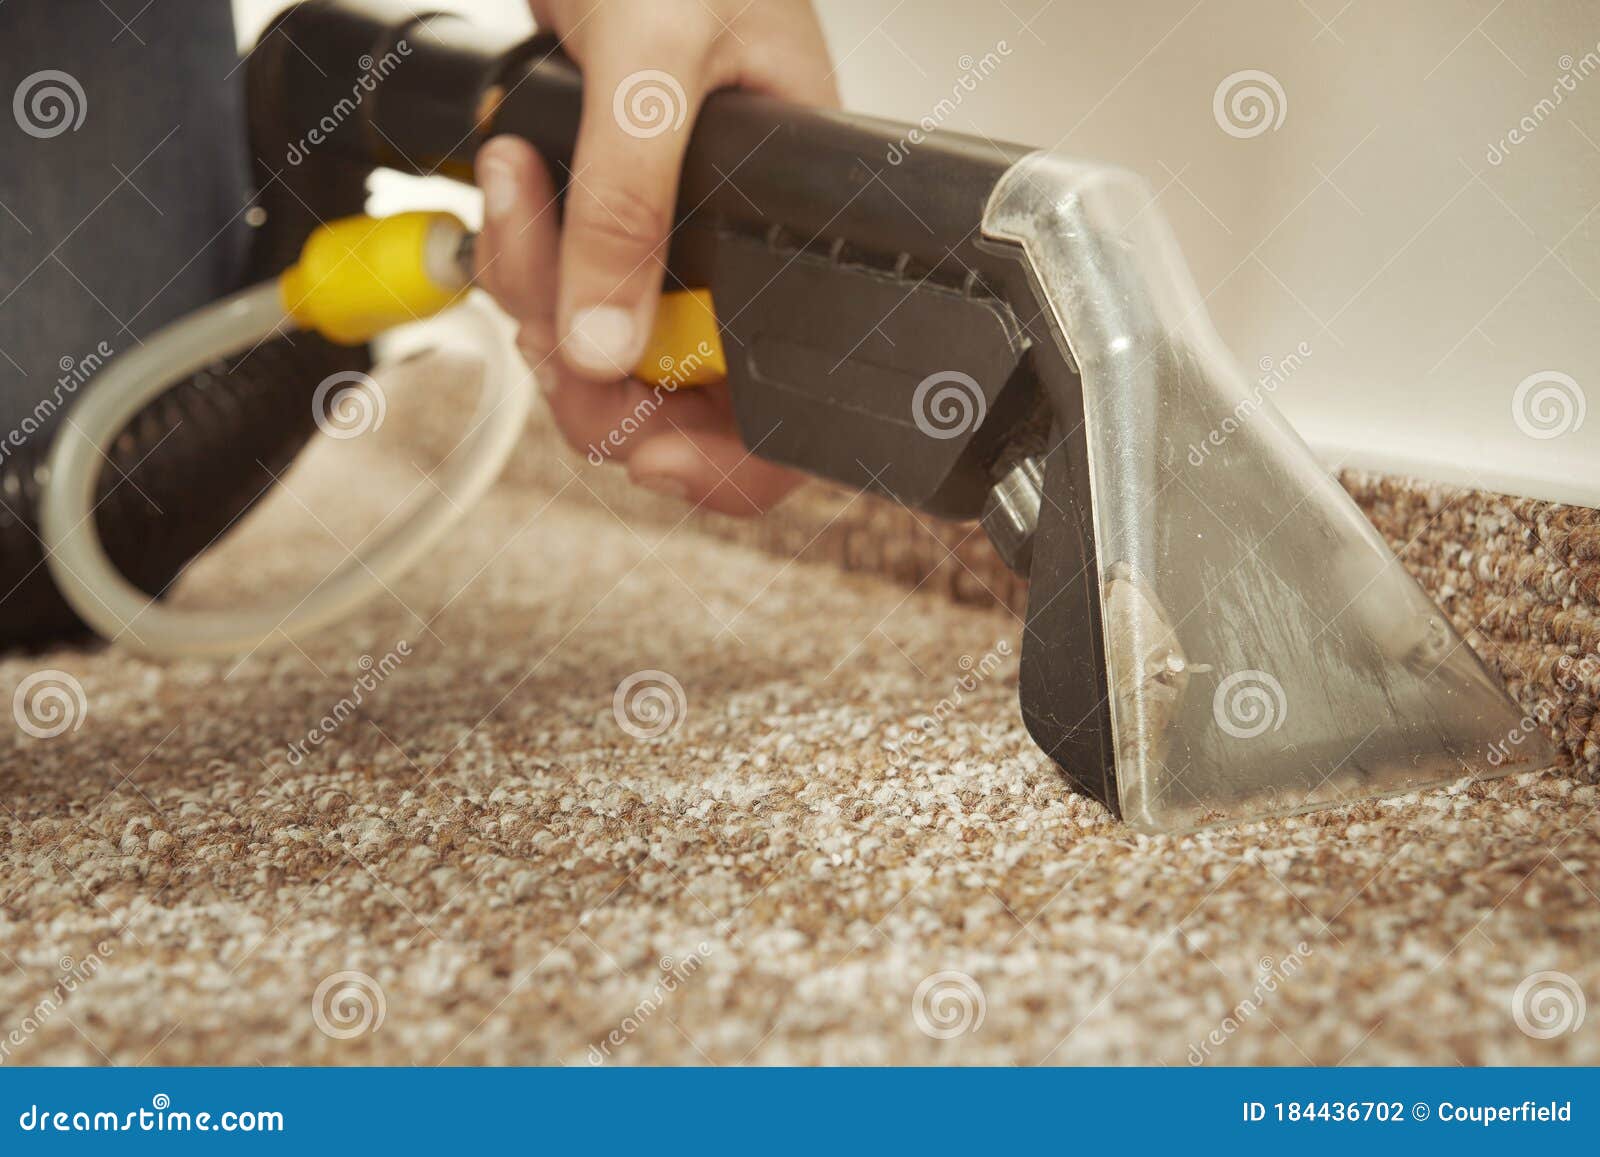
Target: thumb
x,y
621,195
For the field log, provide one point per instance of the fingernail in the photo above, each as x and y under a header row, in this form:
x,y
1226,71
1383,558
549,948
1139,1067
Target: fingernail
x,y
665,484
498,185
603,340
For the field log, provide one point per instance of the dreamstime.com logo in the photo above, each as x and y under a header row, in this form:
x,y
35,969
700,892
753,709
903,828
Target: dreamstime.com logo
x,y
649,103
373,673
348,1004
1273,374
649,704
947,404
348,404
48,103
1548,404
974,71
373,72
1249,703
674,975
974,673
1572,72
948,1004
160,1117
1572,676
1548,1004
673,372
74,975
1271,975
49,703
74,372
1248,103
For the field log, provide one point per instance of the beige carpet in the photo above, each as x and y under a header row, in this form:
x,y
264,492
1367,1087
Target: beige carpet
x,y
479,864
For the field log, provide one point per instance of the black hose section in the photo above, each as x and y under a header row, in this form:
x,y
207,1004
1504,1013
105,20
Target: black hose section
x,y
179,477
198,457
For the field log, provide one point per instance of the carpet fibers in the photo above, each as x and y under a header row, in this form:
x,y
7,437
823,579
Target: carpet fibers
x,y
590,790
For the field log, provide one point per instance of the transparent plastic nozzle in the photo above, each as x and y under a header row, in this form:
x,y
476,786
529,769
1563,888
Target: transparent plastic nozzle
x,y
1264,650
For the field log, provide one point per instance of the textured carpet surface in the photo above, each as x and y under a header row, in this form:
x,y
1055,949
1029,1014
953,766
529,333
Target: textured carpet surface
x,y
439,833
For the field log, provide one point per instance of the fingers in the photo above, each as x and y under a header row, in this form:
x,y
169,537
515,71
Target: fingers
x,y
610,421
787,57
586,294
712,470
518,246
517,254
642,89
682,444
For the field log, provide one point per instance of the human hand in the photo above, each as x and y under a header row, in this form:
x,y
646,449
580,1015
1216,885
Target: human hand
x,y
584,290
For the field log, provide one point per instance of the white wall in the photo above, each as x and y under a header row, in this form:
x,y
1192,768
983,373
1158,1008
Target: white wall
x,y
1370,225
1428,282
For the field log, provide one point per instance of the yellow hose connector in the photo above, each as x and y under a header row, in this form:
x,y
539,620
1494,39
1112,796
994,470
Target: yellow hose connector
x,y
359,276
685,344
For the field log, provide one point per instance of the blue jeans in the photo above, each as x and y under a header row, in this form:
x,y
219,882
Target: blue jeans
x,y
124,177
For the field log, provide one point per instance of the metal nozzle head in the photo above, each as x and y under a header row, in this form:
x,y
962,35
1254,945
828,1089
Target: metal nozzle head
x,y
1011,513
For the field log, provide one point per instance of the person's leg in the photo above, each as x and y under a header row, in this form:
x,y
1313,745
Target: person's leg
x,y
124,178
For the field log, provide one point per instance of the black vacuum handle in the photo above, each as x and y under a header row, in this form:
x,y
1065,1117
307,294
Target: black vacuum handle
x,y
845,255
849,270
421,94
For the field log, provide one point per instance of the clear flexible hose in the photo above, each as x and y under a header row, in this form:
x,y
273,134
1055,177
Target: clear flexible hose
x,y
121,612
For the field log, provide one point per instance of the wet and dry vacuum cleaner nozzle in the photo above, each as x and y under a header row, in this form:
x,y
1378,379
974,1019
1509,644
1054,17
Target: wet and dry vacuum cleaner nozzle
x,y
978,331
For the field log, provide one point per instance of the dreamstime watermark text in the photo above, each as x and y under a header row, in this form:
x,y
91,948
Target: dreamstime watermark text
x,y
974,71
975,672
74,975
673,372
674,975
160,1117
373,673
1271,976
1274,373
74,372
1573,72
373,73
1573,676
